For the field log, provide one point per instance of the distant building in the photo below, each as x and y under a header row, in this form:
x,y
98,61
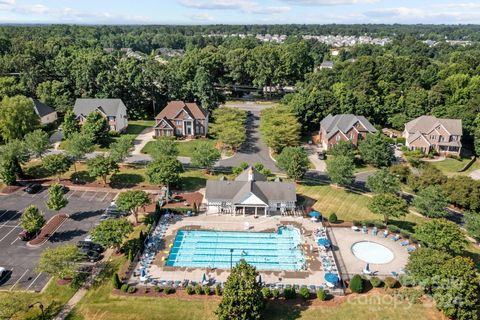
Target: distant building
x,y
112,109
428,133
46,113
250,193
181,119
344,127
326,65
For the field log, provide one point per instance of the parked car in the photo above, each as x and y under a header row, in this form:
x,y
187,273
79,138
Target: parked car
x,y
3,272
26,236
89,255
88,238
33,188
321,155
65,189
89,245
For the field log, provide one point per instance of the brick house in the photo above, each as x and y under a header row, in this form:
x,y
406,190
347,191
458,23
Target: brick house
x,y
181,119
114,110
344,127
428,133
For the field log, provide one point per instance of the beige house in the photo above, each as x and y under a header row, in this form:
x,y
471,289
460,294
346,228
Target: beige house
x,y
46,113
428,133
114,111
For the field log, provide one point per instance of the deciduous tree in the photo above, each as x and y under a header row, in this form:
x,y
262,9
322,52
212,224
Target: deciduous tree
x,y
96,125
32,220
102,166
70,125
388,205
164,147
383,181
131,201
78,146
164,171
56,197
57,164
279,128
120,149
112,232
205,155
17,117
37,143
375,150
431,202
340,170
441,234
294,161
59,261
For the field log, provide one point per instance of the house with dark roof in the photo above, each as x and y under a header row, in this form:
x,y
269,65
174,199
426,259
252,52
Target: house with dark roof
x,y
427,133
181,119
344,127
114,111
250,193
46,113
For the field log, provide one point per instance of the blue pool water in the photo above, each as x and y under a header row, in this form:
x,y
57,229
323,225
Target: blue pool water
x,y
266,251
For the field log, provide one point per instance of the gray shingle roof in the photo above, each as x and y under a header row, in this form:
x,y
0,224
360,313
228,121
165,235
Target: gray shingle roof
x,y
344,122
41,109
424,124
257,176
107,106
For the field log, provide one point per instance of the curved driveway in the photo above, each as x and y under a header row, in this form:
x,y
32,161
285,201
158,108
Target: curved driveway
x,y
253,149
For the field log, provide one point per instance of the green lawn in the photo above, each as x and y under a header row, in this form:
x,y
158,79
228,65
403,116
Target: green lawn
x,y
347,205
53,298
452,166
185,148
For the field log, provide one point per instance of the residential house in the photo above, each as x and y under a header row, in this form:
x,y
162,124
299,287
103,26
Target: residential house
x,y
114,110
250,193
324,65
181,119
46,113
344,127
427,133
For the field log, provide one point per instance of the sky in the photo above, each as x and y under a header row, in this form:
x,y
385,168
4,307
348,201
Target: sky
x,y
239,11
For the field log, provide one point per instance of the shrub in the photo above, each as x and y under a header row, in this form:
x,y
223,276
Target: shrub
x,y
146,290
304,293
275,293
289,293
131,289
405,281
206,290
189,290
369,223
379,225
390,282
198,289
375,282
356,284
411,295
392,228
157,289
124,287
321,295
218,290
357,223
79,280
332,218
169,290
117,284
267,294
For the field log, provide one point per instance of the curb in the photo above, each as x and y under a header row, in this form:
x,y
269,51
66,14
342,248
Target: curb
x,y
51,234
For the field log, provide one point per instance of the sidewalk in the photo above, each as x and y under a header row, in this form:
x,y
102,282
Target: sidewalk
x,y
141,140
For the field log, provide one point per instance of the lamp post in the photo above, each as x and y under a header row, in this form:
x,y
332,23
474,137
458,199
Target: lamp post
x,y
231,259
40,305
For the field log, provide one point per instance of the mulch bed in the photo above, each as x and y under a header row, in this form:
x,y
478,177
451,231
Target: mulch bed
x,y
49,229
10,189
179,293
183,199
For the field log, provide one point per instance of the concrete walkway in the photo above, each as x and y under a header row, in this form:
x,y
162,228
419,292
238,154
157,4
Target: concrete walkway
x,y
141,140
475,175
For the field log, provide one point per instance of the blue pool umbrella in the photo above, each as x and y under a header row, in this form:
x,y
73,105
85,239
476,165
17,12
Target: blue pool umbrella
x,y
324,242
314,214
331,277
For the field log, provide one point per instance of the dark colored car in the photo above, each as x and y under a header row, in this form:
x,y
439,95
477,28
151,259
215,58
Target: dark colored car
x,y
321,155
33,188
90,246
26,236
89,255
65,189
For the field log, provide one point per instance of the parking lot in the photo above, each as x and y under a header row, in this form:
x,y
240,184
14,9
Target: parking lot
x,y
84,209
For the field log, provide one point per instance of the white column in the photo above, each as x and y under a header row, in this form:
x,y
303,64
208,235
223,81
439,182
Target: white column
x,y
256,208
243,211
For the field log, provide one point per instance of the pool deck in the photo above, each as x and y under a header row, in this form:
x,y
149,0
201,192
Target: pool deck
x,y
314,275
344,238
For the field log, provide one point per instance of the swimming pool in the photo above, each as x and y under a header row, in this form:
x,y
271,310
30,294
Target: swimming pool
x,y
372,252
279,250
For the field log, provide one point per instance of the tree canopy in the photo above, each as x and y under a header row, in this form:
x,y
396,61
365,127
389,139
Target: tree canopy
x,y
56,197
59,261
383,181
441,234
17,117
112,232
279,128
294,161
388,205
205,155
102,166
431,202
57,164
376,150
131,201
37,143
32,220
340,170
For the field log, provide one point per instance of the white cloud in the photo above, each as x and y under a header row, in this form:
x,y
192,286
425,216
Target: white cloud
x,y
203,17
7,2
245,6
328,2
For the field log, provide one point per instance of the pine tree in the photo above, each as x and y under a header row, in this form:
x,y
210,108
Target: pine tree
x,y
117,284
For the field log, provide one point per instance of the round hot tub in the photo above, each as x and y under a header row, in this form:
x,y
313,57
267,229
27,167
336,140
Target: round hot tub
x,y
372,252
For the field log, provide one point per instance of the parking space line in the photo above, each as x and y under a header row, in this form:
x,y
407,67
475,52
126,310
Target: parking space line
x,y
93,196
14,241
18,280
71,194
46,195
83,194
1,215
9,232
31,283
106,194
7,221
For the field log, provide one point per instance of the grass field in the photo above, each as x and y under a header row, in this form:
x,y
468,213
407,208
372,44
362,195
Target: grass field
x,y
348,205
185,148
452,166
53,298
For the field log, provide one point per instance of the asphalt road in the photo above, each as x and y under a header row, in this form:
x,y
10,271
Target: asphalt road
x,y
84,209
